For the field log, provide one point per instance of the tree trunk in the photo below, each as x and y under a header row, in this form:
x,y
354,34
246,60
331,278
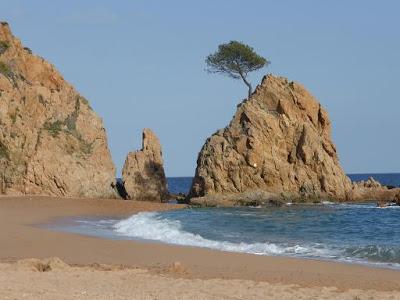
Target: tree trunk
x,y
247,83
249,86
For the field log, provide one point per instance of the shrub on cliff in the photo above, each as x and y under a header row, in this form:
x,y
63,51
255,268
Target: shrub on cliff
x,y
5,70
4,45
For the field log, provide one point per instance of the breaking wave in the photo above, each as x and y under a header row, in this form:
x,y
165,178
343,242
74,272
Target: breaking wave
x,y
151,226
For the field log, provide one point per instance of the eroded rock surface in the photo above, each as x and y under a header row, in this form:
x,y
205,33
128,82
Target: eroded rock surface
x,y
373,190
143,172
278,145
51,141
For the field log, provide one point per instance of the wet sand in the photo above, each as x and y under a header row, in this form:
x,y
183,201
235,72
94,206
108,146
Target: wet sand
x,y
20,238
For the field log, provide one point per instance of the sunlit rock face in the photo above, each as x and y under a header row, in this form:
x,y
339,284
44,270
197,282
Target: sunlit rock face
x,y
279,141
51,141
143,172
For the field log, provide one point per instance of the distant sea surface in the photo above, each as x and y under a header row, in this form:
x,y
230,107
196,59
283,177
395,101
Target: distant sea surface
x,y
346,232
182,184
178,185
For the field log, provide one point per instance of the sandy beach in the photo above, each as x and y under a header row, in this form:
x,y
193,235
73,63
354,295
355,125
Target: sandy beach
x,y
92,268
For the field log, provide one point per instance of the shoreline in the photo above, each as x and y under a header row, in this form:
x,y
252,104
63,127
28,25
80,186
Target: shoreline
x,y
21,239
59,224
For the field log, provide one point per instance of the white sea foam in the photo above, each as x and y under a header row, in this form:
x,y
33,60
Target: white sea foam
x,y
150,226
327,202
161,228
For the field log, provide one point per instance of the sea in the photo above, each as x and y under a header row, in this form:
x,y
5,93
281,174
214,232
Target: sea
x,y
358,233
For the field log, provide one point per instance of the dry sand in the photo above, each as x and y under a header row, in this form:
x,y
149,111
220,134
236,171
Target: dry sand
x,y
97,268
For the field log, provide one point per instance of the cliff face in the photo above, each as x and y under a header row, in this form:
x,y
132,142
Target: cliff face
x,y
51,141
143,172
279,141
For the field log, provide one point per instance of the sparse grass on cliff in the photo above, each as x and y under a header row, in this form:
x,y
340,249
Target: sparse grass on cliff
x,y
69,126
70,122
5,70
85,148
85,101
4,45
53,128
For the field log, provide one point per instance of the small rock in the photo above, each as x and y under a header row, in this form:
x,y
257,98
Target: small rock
x,y
143,172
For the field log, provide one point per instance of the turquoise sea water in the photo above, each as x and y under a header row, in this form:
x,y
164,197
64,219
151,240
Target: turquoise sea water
x,y
357,233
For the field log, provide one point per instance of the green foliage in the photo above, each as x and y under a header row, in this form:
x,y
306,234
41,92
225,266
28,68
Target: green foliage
x,y
85,101
68,126
70,122
5,70
85,147
53,128
235,60
4,45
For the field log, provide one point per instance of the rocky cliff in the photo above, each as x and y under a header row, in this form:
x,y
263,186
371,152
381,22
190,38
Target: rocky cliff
x,y
278,145
51,141
143,172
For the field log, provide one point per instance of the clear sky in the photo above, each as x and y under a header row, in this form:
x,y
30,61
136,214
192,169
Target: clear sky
x,y
141,64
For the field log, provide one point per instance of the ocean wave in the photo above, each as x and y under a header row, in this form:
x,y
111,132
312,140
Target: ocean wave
x,y
154,227
151,226
384,254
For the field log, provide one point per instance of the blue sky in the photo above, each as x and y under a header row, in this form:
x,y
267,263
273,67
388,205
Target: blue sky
x,y
141,64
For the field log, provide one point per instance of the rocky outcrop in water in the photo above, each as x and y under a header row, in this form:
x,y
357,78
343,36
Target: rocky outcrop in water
x,y
143,172
278,146
51,141
372,190
396,198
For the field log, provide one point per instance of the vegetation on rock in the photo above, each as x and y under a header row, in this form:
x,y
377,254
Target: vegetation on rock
x,y
5,70
85,101
236,60
53,128
51,142
4,45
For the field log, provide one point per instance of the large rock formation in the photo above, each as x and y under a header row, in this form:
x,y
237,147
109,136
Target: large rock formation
x,y
373,190
51,141
143,172
278,145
